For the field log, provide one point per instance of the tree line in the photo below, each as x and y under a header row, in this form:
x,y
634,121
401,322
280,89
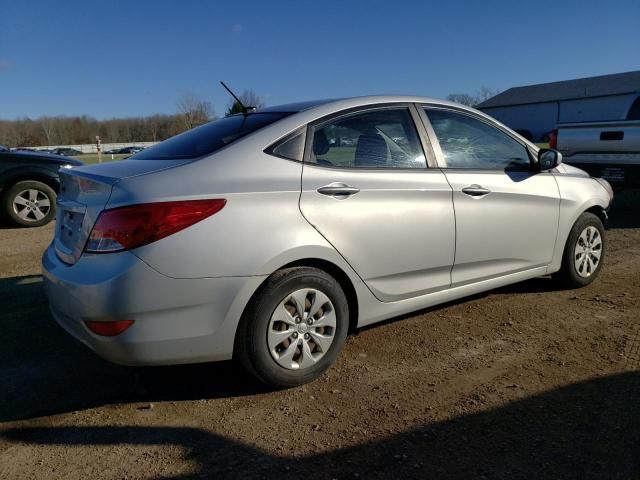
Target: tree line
x,y
63,130
73,130
473,99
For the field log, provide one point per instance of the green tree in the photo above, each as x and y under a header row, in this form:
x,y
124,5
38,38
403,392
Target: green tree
x,y
473,99
249,98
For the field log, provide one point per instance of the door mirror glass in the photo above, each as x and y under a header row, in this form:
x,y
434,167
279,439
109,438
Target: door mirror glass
x,y
549,158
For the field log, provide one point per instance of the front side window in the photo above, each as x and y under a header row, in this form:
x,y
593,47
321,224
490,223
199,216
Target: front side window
x,y
209,137
467,142
382,138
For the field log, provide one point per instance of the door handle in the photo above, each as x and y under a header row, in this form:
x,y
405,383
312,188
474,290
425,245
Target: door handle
x,y
338,189
475,190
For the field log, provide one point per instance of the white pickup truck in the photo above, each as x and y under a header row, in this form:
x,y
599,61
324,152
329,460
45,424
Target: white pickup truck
x,y
610,150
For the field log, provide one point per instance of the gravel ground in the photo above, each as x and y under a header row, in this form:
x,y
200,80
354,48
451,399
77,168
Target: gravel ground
x,y
528,381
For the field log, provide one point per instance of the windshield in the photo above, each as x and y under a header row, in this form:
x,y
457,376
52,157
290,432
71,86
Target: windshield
x,y
209,137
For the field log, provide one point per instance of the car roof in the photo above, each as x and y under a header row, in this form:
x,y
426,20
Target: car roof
x,y
303,113
354,102
294,107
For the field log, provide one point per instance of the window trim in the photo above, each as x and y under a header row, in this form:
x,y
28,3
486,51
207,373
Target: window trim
x,y
442,164
425,145
284,138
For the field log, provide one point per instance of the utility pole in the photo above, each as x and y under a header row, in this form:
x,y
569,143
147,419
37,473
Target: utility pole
x,y
99,149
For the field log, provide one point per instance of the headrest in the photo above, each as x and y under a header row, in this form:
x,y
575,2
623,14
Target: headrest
x,y
320,143
371,151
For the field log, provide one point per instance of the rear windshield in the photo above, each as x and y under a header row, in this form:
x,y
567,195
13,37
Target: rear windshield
x,y
208,138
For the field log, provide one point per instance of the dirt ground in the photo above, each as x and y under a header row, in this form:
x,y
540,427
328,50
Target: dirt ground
x,y
529,381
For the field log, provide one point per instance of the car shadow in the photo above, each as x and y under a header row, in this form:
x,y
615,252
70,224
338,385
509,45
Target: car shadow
x,y
7,225
586,430
624,218
625,210
39,361
534,285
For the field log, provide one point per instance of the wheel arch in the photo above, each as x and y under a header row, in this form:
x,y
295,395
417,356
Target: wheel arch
x,y
594,206
341,277
322,264
30,175
569,273
599,212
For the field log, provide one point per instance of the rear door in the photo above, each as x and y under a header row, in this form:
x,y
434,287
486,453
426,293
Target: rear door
x,y
367,188
506,212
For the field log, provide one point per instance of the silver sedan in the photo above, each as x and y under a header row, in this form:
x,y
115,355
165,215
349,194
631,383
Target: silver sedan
x,y
268,236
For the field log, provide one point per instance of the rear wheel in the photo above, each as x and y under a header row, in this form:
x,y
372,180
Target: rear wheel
x,y
584,252
294,328
30,203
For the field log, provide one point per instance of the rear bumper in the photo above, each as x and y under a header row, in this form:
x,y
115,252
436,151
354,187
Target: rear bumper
x,y
175,320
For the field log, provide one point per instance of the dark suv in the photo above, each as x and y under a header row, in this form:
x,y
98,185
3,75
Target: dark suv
x,y
29,184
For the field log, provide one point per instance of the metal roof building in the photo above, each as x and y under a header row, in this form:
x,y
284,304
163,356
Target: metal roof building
x,y
539,108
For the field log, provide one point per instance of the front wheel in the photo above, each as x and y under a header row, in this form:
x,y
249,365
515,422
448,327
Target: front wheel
x,y
583,252
294,328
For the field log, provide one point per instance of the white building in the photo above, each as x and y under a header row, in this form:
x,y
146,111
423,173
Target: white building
x,y
539,108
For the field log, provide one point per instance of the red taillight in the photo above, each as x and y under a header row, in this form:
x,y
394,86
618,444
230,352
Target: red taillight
x,y
136,225
108,329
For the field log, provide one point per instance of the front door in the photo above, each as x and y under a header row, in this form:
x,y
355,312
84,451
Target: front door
x,y
506,213
367,189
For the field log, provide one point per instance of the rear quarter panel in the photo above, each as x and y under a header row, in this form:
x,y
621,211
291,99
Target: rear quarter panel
x,y
259,230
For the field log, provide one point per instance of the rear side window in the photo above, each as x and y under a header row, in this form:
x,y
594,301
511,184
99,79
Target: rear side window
x,y
467,142
381,138
209,137
290,147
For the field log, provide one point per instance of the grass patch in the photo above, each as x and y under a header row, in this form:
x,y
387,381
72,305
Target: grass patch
x,y
90,158
340,156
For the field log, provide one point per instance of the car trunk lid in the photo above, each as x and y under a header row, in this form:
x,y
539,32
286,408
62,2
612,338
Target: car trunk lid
x,y
84,193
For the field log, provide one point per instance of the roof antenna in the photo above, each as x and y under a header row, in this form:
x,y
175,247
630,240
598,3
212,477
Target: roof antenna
x,y
245,110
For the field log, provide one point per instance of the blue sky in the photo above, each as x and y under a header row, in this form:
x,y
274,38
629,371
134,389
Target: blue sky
x,y
125,58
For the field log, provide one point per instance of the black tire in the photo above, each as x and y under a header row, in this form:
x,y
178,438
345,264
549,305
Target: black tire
x,y
31,220
251,347
568,274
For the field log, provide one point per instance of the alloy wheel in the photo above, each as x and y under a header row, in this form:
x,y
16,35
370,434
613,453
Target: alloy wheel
x,y
31,205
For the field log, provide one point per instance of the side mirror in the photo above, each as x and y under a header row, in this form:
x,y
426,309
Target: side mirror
x,y
548,158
